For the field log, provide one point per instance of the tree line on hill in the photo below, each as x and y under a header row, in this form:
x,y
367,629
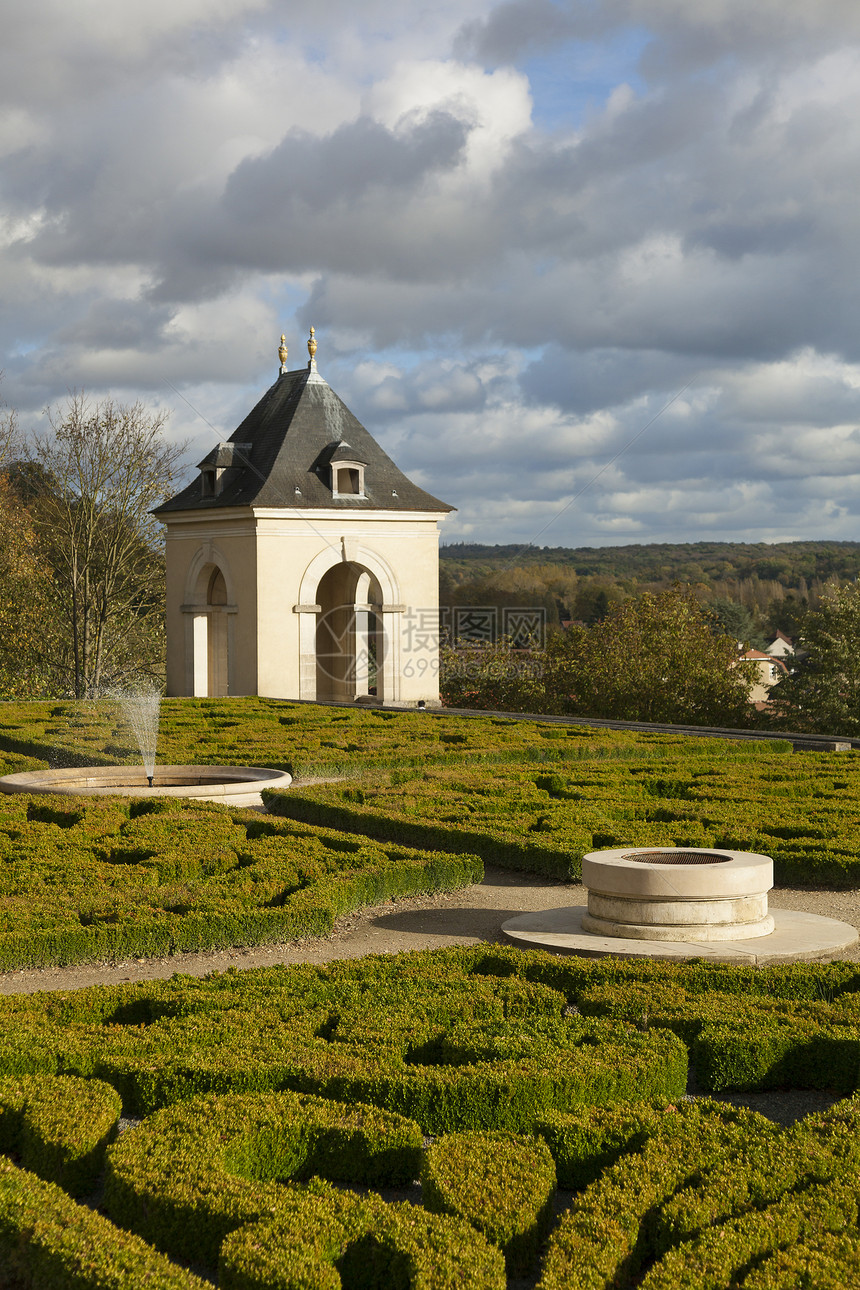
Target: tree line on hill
x,y
754,589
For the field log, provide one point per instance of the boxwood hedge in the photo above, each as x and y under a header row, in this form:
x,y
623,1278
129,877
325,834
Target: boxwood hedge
x,y
58,1126
98,878
191,1173
243,1169
306,738
502,1183
802,811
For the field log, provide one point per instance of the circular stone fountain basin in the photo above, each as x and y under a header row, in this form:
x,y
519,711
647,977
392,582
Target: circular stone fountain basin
x,y
205,782
677,894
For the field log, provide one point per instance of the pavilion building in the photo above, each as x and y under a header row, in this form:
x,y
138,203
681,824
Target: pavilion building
x,y
301,562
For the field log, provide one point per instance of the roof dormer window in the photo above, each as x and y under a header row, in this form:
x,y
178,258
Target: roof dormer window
x,y
347,472
347,480
220,465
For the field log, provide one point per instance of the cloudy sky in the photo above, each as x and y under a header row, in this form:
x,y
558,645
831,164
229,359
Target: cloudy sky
x,y
588,269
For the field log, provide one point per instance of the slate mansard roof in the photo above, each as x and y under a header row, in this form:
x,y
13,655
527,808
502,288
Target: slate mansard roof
x,y
281,456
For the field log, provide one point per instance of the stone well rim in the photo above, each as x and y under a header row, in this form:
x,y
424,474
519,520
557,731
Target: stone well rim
x,y
733,873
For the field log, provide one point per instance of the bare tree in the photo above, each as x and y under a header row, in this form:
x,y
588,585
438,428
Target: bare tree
x,y
103,469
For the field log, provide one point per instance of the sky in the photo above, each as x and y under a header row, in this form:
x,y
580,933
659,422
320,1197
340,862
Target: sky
x,y
587,269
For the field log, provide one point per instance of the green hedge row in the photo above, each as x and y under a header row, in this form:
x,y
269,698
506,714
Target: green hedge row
x,y
324,1239
305,739
58,1127
478,1038
807,1240
49,1242
191,1173
83,879
802,811
692,1184
222,1178
502,1183
424,1039
701,1195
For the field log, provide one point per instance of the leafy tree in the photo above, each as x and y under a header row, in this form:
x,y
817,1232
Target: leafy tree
x,y
593,602
787,614
657,658
94,483
25,588
822,692
734,619
495,676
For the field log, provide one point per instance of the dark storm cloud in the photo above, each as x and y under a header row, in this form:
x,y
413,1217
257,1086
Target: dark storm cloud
x,y
685,37
601,378
307,171
336,202
117,324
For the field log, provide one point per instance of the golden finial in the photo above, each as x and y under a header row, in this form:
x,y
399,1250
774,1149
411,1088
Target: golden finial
x,y
312,345
282,352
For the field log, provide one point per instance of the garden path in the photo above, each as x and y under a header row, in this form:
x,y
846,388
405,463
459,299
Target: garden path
x,y
464,917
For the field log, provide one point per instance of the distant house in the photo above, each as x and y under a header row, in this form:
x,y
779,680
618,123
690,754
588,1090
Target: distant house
x,y
780,646
768,671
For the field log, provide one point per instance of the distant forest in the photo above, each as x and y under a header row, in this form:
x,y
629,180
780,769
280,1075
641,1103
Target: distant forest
x,y
753,588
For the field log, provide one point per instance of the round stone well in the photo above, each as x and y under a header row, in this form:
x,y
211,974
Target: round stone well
x,y
680,902
670,894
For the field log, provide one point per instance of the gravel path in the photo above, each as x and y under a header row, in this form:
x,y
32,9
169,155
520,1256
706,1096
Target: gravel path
x,y
464,917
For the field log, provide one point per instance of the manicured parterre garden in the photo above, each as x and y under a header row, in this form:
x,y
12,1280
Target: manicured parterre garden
x,y
480,1117
531,1111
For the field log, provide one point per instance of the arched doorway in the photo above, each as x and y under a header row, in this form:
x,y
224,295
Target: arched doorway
x,y
216,653
209,617
350,641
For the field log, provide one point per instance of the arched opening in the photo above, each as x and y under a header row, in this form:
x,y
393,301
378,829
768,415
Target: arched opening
x,y
209,616
350,642
216,661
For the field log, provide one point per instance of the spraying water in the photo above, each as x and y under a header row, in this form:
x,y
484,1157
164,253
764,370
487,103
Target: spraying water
x,y
141,709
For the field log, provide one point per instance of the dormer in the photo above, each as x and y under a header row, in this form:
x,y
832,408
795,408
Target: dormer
x,y
347,472
217,466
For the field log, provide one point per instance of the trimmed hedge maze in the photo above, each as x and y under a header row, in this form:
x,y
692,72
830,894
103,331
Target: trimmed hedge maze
x,y
803,810
95,878
436,1120
85,879
305,739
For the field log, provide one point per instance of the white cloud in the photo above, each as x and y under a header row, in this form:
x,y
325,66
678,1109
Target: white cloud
x,y
506,306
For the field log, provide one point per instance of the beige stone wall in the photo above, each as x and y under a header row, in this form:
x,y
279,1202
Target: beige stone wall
x,y
288,574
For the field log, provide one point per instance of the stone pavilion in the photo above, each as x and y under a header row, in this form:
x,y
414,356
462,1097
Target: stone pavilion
x,y
301,563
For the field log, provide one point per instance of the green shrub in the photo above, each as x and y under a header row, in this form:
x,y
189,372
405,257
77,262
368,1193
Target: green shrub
x,y
583,1143
48,1242
604,1238
191,1173
58,1127
84,879
322,1236
808,1239
501,1183
801,811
